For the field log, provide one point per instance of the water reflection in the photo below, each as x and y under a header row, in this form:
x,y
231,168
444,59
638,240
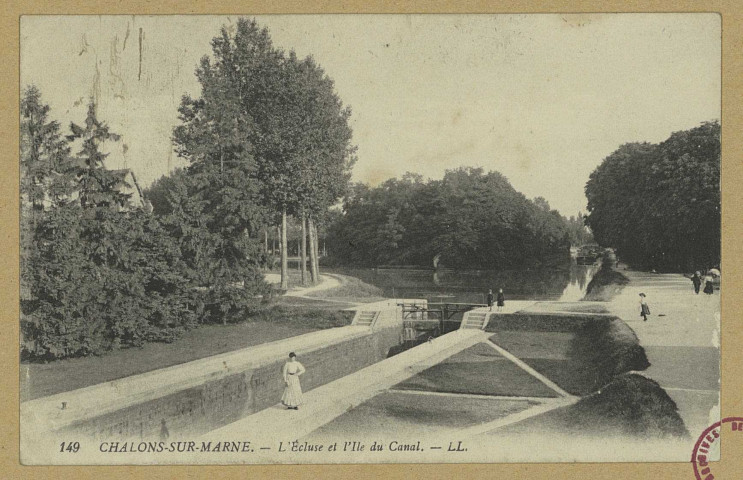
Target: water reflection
x,y
567,282
580,277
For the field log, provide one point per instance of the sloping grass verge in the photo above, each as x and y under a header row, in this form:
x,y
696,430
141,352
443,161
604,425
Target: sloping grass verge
x,y
479,370
540,322
605,285
601,347
566,307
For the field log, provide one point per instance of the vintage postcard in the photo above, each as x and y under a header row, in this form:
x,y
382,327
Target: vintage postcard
x,y
342,239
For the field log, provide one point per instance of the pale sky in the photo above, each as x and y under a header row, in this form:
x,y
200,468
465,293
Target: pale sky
x,y
540,98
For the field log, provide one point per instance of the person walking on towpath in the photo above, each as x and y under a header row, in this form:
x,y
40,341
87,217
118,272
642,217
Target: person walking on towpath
x,y
644,309
708,288
490,299
501,300
292,396
696,279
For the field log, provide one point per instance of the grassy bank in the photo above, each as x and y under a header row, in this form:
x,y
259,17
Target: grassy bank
x,y
267,325
630,406
477,370
580,353
566,307
594,356
605,285
409,416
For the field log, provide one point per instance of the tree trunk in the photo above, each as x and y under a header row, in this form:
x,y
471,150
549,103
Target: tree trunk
x,y
303,250
313,251
317,250
284,260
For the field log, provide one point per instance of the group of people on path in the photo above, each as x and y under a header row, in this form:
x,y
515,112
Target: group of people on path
x,y
500,299
697,281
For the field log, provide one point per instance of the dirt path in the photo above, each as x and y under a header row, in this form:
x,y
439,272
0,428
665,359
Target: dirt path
x,y
681,339
327,281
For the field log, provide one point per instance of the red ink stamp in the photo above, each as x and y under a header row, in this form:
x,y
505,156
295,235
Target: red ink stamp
x,y
708,445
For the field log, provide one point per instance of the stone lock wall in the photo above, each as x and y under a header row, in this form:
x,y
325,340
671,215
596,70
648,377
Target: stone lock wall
x,y
213,404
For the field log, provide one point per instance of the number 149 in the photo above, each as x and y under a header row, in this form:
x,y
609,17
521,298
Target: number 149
x,y
72,447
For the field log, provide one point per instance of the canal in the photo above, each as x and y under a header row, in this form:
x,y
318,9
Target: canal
x,y
566,282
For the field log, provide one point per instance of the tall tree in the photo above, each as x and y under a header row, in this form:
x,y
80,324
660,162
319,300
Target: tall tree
x,y
97,276
219,204
297,130
97,186
45,171
322,148
303,250
45,175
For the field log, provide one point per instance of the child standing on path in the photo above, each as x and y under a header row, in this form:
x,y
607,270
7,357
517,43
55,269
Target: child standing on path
x,y
490,299
644,309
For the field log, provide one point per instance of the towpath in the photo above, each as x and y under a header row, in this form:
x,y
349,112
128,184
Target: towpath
x,y
681,339
327,281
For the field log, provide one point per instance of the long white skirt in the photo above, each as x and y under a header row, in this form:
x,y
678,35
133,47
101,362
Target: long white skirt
x,y
292,396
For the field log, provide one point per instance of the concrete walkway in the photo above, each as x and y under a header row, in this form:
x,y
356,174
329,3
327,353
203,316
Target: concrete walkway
x,y
325,403
681,339
511,306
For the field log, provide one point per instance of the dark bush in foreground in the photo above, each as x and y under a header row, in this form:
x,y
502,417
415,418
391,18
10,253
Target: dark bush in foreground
x,y
631,406
100,279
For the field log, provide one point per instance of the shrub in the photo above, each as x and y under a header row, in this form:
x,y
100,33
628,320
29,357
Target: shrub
x,y
100,279
631,405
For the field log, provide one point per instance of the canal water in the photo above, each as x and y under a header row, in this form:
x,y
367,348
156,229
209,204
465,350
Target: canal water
x,y
565,283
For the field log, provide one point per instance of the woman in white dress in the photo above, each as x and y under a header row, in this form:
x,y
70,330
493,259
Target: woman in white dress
x,y
292,396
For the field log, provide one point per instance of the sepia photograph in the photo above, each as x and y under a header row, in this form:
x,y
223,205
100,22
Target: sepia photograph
x,y
353,238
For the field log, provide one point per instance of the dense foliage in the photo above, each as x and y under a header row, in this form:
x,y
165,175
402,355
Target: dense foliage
x,y
469,219
268,137
659,205
100,279
97,272
273,120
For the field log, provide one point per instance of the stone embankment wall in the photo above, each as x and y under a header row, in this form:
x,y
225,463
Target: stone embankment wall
x,y
226,396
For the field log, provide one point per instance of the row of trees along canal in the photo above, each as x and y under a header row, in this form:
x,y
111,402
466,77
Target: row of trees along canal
x,y
659,204
468,219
